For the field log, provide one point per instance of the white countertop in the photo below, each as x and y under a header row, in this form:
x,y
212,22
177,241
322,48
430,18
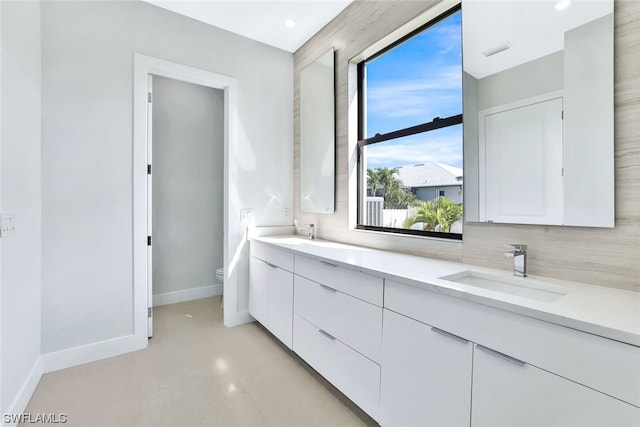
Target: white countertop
x,y
608,312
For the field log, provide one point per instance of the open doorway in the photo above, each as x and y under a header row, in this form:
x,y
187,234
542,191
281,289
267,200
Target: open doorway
x,y
185,154
145,66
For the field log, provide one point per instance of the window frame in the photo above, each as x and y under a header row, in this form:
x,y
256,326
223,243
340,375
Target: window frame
x,y
436,123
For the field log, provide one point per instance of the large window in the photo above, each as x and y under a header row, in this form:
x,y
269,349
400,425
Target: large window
x,y
410,133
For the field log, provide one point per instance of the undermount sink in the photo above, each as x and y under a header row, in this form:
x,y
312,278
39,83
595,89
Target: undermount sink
x,y
518,286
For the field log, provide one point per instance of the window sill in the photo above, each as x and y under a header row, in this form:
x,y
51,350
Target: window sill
x,y
405,233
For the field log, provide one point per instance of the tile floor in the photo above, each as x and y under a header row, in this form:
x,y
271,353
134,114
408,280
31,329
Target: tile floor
x,y
197,372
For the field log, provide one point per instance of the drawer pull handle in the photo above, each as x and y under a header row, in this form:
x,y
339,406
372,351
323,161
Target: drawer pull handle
x,y
326,334
328,263
449,335
328,288
500,355
271,265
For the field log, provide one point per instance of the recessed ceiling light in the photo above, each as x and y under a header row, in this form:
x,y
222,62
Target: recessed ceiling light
x,y
289,23
562,4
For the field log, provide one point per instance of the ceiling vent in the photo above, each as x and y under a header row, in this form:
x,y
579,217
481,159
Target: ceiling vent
x,y
497,49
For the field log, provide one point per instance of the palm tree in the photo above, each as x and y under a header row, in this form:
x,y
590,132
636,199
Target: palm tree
x,y
448,213
439,214
394,194
400,198
376,178
425,212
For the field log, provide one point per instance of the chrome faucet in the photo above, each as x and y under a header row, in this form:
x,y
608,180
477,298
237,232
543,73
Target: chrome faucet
x,y
310,228
519,255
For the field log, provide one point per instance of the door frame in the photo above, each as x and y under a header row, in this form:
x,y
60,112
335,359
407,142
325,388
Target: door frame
x,y
143,67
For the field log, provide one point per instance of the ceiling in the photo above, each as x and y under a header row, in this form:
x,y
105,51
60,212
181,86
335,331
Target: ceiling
x,y
532,28
262,20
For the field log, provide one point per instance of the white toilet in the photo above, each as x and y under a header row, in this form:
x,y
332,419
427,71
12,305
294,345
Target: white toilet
x,y
220,279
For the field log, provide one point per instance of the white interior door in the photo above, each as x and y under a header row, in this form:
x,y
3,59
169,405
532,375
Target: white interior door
x,y
522,151
149,204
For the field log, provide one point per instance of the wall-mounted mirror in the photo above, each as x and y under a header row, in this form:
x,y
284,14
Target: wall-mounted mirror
x,y
317,136
538,112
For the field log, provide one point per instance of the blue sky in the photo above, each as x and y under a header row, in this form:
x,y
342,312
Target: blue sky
x,y
411,84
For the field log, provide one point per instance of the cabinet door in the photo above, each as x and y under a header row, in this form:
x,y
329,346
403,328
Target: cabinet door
x,y
280,304
507,392
259,290
426,375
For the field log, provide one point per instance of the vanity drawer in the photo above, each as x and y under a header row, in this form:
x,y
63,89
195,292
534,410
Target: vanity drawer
x,y
360,285
352,373
351,320
605,365
272,255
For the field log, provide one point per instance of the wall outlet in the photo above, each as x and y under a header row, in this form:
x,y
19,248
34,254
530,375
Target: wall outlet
x,y
246,214
7,223
287,212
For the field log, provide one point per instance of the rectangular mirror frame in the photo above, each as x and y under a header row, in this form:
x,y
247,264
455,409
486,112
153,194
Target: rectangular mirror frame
x,y
317,136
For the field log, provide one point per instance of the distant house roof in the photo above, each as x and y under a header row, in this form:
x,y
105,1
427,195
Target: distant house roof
x,y
429,174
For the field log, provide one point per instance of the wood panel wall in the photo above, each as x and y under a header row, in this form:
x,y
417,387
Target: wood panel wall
x,y
608,257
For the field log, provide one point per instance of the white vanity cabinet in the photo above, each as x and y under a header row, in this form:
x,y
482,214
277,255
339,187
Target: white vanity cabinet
x,y
337,327
271,289
426,375
408,353
526,372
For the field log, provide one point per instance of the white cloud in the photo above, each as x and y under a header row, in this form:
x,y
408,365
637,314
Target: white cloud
x,y
417,149
424,98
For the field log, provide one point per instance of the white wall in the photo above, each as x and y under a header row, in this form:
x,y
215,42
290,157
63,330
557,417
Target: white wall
x,y
188,172
453,192
21,194
543,75
88,52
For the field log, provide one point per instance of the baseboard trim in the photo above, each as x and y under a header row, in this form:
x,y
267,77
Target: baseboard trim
x,y
91,352
62,359
243,317
186,295
27,389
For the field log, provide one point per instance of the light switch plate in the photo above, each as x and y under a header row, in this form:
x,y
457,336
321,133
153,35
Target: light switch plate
x,y
7,223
